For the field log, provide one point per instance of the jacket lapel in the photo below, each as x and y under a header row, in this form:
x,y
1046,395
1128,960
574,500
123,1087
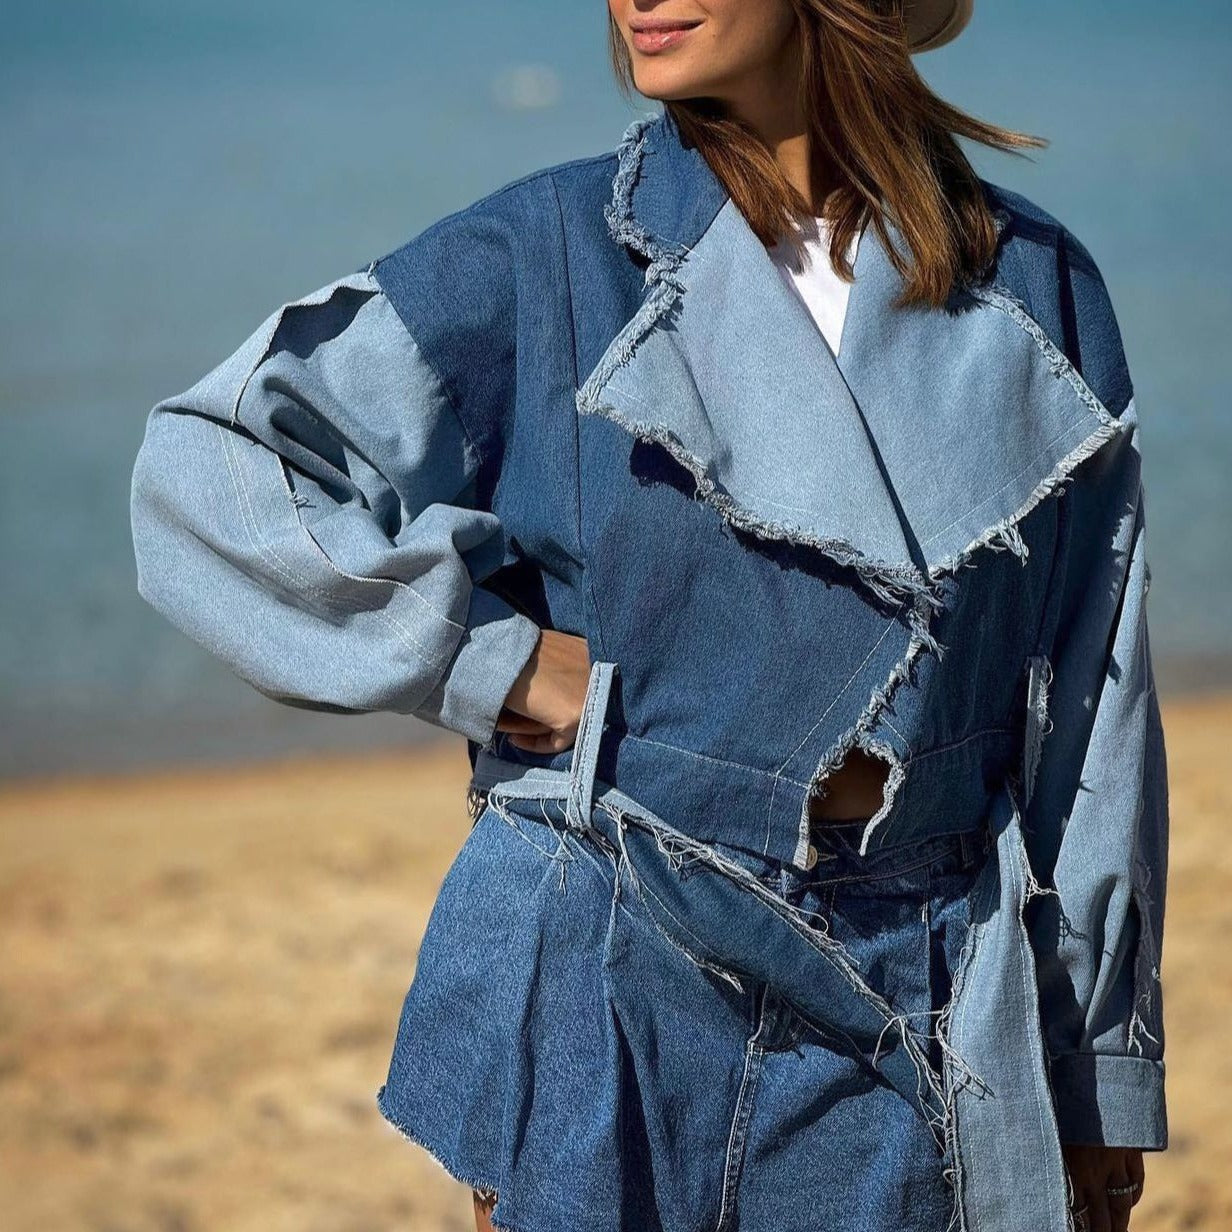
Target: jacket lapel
x,y
723,366
742,381
933,433
975,413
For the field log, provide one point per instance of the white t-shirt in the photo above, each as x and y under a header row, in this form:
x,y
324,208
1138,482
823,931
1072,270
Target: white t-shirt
x,y
805,267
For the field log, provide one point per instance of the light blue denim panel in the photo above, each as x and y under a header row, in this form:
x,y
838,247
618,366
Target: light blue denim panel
x,y
1097,820
1000,1091
305,512
971,445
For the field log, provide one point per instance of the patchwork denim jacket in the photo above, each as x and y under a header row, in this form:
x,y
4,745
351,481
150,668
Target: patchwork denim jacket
x,y
588,402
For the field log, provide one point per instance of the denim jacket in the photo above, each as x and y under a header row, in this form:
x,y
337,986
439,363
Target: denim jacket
x,y
588,402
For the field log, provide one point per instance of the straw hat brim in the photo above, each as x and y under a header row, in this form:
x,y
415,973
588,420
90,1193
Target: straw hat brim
x,y
930,23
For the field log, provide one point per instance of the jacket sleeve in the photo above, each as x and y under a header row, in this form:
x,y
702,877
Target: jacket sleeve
x,y
1096,815
307,513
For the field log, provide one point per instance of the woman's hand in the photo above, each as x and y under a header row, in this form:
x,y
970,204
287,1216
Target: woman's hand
x,y
544,706
1107,1182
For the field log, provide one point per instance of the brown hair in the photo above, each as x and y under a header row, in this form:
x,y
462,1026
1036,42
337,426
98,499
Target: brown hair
x,y
886,143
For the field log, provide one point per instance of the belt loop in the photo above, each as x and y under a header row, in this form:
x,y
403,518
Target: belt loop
x,y
967,841
586,745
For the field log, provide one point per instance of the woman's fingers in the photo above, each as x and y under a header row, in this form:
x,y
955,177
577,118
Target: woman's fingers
x,y
511,721
1099,1217
547,742
1119,1195
1107,1181
483,1210
1135,1168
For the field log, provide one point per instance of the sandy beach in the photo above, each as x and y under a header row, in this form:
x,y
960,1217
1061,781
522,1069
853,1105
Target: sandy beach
x,y
202,973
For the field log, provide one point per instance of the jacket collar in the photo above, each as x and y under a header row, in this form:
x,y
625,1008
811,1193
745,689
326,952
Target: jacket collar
x,y
664,194
929,439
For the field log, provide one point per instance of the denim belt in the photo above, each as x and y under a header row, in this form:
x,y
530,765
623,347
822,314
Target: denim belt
x,y
576,786
579,788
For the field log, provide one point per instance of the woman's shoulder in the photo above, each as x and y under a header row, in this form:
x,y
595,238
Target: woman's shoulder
x,y
474,284
1044,265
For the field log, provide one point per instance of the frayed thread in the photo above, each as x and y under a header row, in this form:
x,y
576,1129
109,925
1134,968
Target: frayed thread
x,y
486,1190
595,847
1005,535
1039,724
1032,886
1058,362
1146,968
716,969
622,222
1144,1006
562,855
890,583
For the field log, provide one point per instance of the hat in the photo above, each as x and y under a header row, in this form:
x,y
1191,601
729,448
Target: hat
x,y
933,22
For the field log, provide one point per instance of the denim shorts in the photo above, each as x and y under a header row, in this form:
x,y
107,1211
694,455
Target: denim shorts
x,y
608,1055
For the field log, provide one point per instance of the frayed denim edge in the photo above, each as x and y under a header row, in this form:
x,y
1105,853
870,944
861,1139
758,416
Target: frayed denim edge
x,y
954,1170
860,735
483,1188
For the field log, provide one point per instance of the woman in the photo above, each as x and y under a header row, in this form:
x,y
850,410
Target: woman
x,y
793,611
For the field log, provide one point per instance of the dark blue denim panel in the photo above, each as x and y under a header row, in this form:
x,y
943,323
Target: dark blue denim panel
x,y
703,908
1054,275
560,1046
486,294
968,689
555,1048
825,1147
900,913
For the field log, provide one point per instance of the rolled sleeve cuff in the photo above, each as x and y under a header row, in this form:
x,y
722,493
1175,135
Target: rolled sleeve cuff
x,y
489,657
1110,1100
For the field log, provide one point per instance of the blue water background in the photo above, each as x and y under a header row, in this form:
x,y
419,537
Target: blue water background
x,y
174,171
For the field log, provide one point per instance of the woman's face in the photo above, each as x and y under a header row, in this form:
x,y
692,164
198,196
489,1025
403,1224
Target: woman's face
x,y
715,48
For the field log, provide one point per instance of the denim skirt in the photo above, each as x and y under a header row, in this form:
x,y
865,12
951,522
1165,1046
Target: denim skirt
x,y
610,1042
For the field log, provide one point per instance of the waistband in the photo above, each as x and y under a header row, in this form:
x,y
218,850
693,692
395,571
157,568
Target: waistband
x,y
838,850
580,788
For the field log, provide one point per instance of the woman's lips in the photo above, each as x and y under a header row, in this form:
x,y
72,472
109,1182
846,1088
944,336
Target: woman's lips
x,y
652,39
